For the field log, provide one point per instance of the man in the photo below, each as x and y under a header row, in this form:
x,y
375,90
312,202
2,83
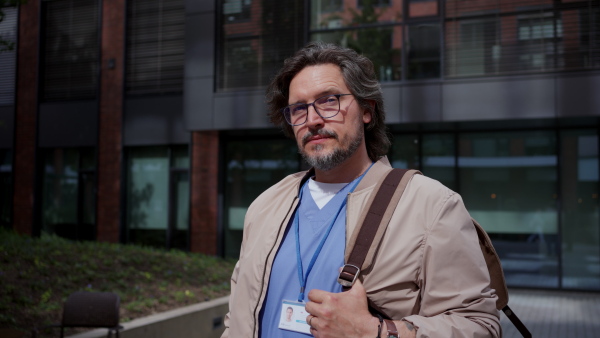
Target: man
x,y
428,273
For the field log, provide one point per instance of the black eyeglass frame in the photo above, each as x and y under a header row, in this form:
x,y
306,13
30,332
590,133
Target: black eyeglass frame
x,y
287,116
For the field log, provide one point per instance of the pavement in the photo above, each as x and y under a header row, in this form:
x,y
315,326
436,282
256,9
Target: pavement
x,y
552,313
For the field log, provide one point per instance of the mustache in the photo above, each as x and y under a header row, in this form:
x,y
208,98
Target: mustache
x,y
321,132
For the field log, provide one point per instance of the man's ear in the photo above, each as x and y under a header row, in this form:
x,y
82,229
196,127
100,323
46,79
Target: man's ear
x,y
368,113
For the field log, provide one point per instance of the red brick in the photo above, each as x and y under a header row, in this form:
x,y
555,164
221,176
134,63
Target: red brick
x,y
110,121
204,188
26,118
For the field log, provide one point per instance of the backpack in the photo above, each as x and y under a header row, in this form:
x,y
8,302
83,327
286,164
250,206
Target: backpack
x,y
373,227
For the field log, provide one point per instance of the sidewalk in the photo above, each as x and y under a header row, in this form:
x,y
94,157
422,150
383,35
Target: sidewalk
x,y
550,313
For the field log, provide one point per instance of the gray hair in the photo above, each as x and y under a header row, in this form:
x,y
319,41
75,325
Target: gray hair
x,y
359,76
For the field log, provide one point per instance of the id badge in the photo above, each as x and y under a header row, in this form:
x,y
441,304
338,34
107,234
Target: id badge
x,y
293,317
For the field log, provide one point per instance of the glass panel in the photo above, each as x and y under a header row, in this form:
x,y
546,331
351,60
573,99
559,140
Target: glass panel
x,y
70,49
472,47
580,208
537,36
422,8
5,187
155,46
508,181
424,51
180,157
255,38
334,14
381,45
60,192
439,158
88,159
181,210
147,195
405,152
252,166
8,54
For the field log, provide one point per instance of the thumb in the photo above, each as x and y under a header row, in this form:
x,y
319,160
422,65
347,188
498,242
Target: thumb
x,y
358,288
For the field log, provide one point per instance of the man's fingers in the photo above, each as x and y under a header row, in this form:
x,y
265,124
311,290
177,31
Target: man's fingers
x,y
317,296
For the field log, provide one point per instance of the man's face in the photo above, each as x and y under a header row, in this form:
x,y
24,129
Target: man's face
x,y
289,314
327,143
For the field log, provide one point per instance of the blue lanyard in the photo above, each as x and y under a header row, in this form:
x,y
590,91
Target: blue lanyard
x,y
301,277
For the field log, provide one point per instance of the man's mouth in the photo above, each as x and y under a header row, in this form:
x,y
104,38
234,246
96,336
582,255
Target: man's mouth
x,y
319,135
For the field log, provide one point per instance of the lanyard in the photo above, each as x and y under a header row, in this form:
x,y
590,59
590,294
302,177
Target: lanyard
x,y
301,277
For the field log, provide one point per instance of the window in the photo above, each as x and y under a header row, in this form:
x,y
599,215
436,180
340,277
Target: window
x,y
68,197
538,38
8,53
508,181
157,211
252,166
478,49
405,152
424,51
6,187
252,50
439,158
234,10
70,49
155,46
370,28
590,37
580,209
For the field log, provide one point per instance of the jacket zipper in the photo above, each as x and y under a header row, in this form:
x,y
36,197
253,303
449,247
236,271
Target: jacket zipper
x,y
262,284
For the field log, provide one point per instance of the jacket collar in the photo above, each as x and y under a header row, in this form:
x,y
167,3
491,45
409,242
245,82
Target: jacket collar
x,y
378,170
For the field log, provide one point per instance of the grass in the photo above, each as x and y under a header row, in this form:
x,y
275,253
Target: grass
x,y
38,274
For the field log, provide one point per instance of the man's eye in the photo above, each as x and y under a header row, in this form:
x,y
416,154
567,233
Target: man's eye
x,y
298,109
327,100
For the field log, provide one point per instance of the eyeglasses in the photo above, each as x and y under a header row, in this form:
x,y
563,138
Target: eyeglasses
x,y
327,107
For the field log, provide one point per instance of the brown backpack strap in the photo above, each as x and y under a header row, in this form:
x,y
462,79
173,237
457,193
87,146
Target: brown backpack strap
x,y
369,227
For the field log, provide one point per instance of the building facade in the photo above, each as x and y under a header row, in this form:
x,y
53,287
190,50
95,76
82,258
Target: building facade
x,y
144,121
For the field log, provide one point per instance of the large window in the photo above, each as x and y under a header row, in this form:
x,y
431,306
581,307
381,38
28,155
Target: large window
x,y
251,167
70,58
509,38
508,181
580,221
157,210
68,197
155,46
8,60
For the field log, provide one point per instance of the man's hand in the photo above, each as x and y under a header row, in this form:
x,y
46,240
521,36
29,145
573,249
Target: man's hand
x,y
343,314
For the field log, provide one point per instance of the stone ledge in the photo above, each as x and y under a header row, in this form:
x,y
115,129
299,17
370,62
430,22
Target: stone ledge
x,y
199,320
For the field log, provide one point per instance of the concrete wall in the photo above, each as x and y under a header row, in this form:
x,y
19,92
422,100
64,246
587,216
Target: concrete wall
x,y
203,320
458,100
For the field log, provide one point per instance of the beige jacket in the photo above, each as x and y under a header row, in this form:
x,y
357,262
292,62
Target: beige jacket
x,y
428,270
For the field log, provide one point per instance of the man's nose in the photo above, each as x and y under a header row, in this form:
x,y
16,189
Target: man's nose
x,y
313,118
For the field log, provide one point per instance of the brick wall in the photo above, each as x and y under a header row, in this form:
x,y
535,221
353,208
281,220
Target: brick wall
x,y
110,120
26,118
204,191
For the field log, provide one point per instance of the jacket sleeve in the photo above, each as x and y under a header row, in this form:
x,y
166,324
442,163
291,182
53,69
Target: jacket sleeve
x,y
456,299
233,285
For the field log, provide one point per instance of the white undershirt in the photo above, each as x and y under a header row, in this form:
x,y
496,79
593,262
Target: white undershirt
x,y
323,192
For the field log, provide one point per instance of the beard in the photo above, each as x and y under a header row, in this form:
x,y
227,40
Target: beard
x,y
339,155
